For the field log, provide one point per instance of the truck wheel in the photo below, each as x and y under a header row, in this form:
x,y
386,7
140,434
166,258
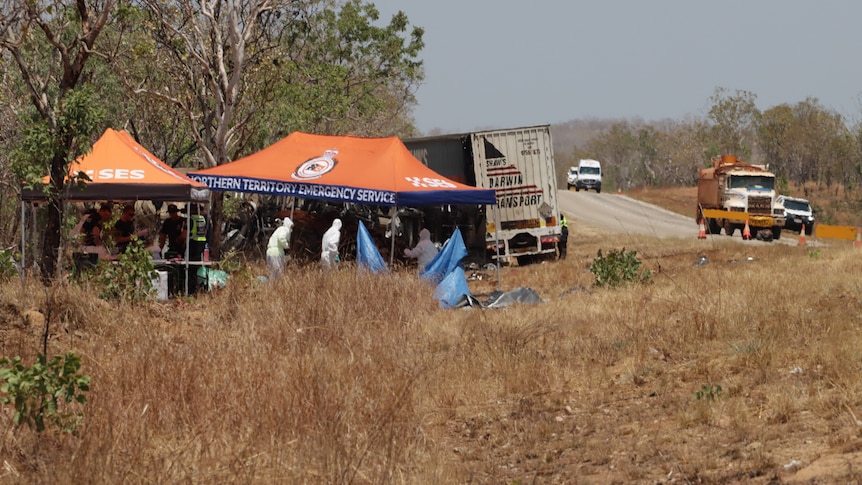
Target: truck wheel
x,y
714,226
729,228
577,189
776,232
809,230
598,191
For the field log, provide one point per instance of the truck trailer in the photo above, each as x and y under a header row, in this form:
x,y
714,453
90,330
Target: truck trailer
x,y
518,163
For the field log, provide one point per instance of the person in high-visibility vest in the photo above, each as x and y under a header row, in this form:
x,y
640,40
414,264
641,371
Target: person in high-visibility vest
x,y
197,243
198,234
564,236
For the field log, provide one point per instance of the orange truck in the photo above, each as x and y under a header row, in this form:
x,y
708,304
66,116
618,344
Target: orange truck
x,y
732,192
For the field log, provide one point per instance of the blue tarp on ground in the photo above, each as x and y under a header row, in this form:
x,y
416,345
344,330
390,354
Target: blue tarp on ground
x,y
452,289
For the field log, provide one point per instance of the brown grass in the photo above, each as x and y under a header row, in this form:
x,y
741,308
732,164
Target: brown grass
x,y
353,378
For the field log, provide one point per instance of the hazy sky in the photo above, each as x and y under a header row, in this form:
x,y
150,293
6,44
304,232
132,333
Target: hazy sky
x,y
499,64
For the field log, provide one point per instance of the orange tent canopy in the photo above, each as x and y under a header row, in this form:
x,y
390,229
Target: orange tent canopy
x,y
121,169
373,171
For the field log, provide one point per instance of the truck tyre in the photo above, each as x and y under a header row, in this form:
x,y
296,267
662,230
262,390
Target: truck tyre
x,y
714,226
577,189
776,232
809,230
598,191
729,228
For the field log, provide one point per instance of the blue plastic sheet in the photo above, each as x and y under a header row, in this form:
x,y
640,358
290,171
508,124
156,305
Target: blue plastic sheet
x,y
367,255
453,287
447,259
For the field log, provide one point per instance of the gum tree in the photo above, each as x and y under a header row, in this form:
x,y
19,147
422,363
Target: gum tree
x,y
50,43
244,73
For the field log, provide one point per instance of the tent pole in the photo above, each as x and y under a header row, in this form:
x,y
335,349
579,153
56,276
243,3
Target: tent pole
x,y
497,245
392,233
188,240
23,244
34,238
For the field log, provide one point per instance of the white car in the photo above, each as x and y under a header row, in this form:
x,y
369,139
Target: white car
x,y
571,177
798,213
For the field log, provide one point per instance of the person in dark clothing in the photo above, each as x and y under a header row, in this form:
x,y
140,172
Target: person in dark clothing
x,y
94,225
90,228
124,229
564,235
92,231
173,232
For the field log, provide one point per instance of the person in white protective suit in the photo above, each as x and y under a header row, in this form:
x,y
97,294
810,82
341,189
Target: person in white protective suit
x,y
424,251
329,245
276,256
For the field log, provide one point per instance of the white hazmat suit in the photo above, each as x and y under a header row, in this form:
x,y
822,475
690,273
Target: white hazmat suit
x,y
424,251
329,245
276,258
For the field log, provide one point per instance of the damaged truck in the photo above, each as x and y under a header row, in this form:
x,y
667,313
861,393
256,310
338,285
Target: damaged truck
x,y
518,164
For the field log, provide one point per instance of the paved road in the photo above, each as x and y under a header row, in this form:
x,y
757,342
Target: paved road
x,y
619,213
610,212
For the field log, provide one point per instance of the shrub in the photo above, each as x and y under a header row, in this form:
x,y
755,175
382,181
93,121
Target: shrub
x,y
618,268
130,277
7,264
38,392
708,392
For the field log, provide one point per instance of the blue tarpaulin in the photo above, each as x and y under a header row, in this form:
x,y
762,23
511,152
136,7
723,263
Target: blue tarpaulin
x,y
367,255
446,260
445,271
452,289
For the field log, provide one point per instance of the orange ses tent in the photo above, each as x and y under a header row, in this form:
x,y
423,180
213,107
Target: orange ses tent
x,y
121,169
373,171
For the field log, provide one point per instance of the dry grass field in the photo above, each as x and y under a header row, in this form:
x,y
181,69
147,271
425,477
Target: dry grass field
x,y
353,378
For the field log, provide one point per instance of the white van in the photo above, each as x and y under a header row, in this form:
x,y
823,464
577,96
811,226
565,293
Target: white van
x,y
587,175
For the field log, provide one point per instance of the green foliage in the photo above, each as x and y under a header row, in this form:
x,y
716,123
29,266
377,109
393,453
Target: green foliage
x,y
734,120
69,137
618,268
7,264
351,69
782,186
41,393
708,392
130,276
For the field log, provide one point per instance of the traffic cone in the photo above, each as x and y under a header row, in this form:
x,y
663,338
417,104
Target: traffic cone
x,y
746,233
701,231
619,190
858,242
801,237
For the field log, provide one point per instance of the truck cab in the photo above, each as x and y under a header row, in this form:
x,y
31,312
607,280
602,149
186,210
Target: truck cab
x,y
735,186
587,175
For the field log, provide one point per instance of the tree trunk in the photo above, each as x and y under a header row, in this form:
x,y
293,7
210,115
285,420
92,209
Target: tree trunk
x,y
51,244
216,218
